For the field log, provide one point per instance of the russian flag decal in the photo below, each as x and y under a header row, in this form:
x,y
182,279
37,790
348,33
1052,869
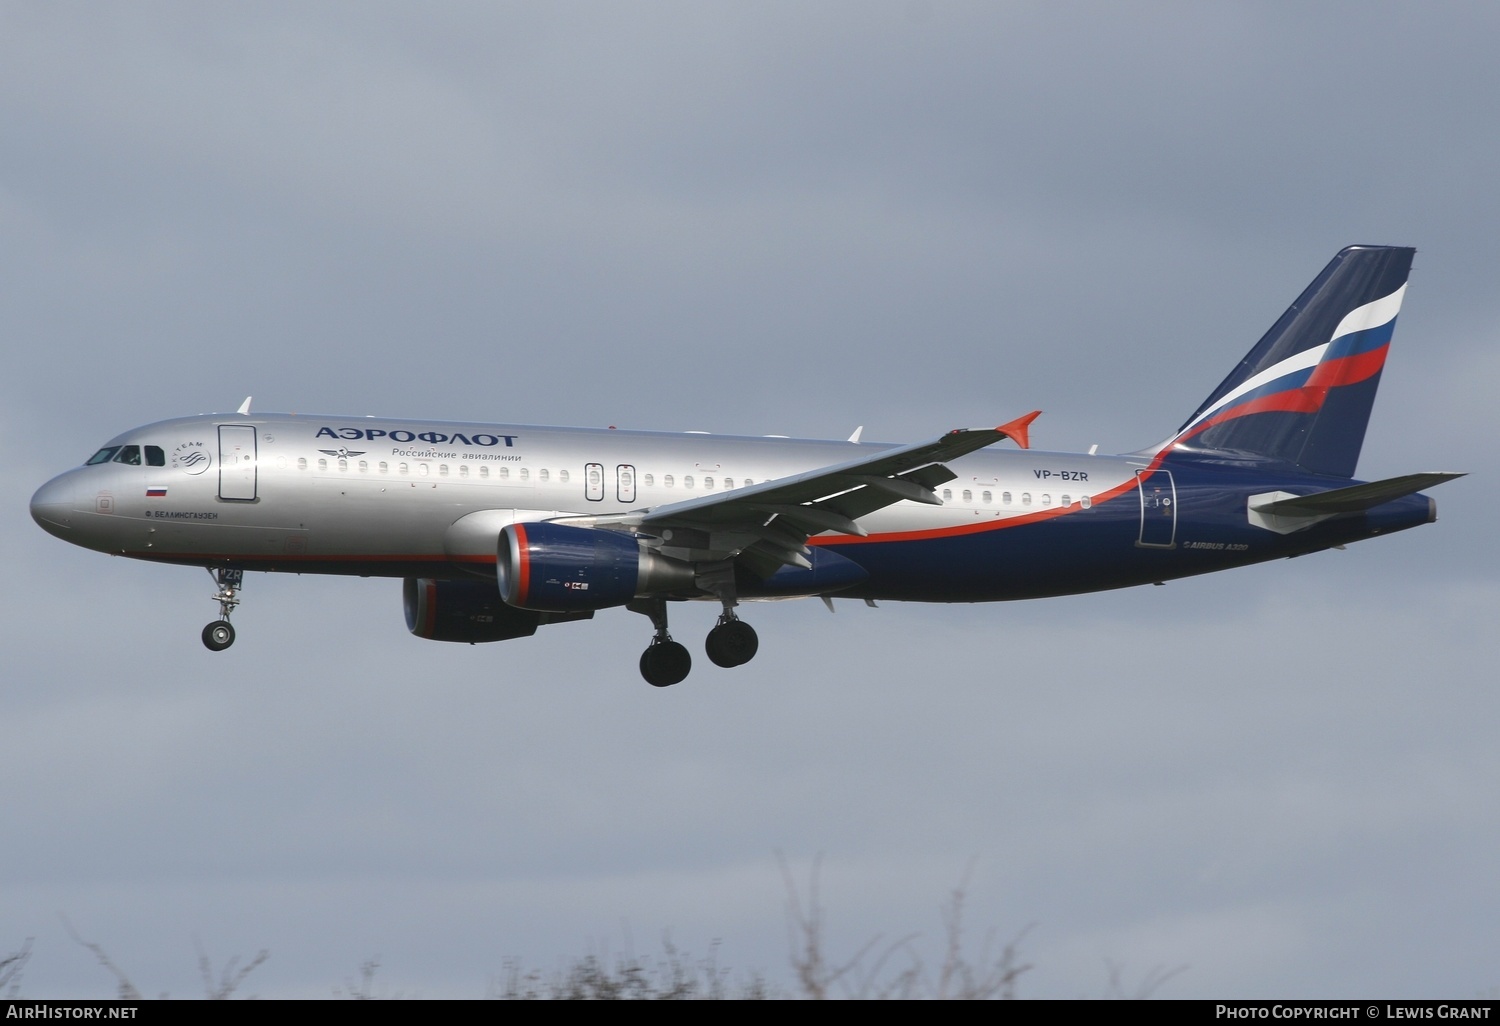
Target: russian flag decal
x,y
156,491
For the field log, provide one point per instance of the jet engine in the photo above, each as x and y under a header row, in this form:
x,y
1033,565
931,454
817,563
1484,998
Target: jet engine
x,y
546,566
469,611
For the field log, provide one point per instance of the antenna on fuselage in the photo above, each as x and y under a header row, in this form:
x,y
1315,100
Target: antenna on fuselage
x,y
244,409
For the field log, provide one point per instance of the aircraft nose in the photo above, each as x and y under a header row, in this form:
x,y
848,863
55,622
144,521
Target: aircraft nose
x,y
52,506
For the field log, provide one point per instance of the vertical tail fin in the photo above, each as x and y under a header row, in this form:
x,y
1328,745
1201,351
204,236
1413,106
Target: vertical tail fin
x,y
1304,393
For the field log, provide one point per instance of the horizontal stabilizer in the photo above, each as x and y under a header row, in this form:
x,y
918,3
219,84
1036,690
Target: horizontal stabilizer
x,y
1355,499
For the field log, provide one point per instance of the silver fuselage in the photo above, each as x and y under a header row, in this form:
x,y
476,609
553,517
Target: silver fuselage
x,y
392,498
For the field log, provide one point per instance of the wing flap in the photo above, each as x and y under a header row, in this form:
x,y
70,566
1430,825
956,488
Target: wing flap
x,y
814,519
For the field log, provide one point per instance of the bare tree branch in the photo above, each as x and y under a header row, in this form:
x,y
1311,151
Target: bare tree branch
x,y
11,968
128,991
229,980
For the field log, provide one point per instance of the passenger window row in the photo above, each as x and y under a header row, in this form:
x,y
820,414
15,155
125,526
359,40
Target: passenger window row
x,y
543,474
593,478
987,498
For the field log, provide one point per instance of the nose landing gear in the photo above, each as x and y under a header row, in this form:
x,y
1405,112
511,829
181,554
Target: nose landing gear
x,y
219,635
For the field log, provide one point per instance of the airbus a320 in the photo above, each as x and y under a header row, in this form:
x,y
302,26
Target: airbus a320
x,y
499,530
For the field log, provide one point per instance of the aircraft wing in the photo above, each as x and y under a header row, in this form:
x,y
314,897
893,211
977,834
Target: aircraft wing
x,y
766,526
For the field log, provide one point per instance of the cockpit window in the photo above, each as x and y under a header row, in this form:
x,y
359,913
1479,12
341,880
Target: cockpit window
x,y
104,455
154,456
130,454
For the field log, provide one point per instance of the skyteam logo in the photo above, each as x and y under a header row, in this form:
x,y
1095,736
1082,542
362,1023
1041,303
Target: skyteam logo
x,y
1301,382
191,458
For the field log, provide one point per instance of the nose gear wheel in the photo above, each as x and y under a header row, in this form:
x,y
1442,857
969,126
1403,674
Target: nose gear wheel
x,y
219,635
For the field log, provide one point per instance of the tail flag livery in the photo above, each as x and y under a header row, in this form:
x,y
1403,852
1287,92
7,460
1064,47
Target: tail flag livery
x,y
1304,393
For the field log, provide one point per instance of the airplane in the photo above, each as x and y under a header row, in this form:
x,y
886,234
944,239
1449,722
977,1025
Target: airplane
x,y
499,530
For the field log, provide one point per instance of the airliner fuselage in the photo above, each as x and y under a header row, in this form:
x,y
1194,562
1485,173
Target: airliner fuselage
x,y
378,498
500,529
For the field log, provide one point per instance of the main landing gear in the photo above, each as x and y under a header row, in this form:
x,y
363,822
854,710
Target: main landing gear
x,y
732,642
665,662
219,635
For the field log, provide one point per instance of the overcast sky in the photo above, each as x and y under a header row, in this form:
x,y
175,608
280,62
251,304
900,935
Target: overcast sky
x,y
758,218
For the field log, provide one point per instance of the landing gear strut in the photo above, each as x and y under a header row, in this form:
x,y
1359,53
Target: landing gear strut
x,y
732,642
665,662
219,635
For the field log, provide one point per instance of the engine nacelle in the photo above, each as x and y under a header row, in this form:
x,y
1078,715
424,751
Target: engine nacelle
x,y
468,611
555,567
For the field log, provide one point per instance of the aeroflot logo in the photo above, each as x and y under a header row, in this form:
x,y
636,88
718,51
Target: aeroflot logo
x,y
402,435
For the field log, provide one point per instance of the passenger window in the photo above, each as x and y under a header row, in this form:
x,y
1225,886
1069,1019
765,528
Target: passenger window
x,y
1046,498
988,498
650,480
562,477
1005,498
1026,498
155,457
504,473
525,473
322,464
103,455
947,493
748,482
484,471
1067,500
667,480
385,468
729,482
364,467
687,480
401,468
1085,501
129,454
301,462
463,470
442,470
422,470
541,475
968,495
708,482
343,464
